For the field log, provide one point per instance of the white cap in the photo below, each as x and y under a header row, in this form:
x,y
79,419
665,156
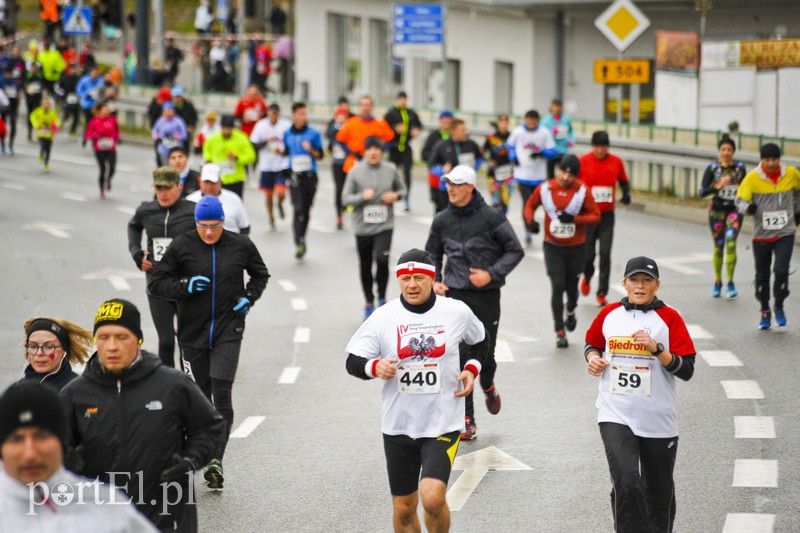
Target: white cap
x,y
210,173
461,174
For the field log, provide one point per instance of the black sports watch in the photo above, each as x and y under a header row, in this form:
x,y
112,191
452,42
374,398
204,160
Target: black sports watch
x,y
659,349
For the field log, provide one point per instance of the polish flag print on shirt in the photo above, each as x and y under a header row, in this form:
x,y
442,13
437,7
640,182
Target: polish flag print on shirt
x,y
420,344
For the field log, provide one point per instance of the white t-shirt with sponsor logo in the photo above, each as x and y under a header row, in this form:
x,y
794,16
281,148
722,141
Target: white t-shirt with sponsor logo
x,y
635,389
431,338
270,157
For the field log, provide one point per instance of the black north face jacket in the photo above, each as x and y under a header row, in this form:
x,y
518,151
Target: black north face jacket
x,y
136,423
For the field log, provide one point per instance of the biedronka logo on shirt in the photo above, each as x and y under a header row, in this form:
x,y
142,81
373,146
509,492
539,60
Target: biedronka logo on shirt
x,y
626,346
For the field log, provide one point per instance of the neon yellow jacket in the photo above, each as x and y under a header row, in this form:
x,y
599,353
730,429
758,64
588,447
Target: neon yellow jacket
x,y
53,64
216,149
44,121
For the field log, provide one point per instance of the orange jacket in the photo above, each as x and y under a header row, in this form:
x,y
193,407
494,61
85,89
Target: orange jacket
x,y
355,131
49,10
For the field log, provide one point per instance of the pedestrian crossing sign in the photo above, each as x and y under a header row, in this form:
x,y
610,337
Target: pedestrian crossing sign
x,y
77,20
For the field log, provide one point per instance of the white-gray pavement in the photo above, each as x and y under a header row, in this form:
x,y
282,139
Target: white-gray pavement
x,y
307,452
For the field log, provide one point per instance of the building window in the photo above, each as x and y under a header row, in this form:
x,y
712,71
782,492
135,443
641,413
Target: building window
x,y
503,87
344,49
386,72
444,84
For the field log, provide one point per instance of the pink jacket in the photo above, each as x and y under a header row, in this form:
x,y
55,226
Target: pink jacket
x,y
104,133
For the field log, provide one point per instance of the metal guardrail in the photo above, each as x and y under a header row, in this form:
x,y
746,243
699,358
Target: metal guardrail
x,y
668,161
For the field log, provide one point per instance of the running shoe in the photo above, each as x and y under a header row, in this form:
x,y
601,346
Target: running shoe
x,y
601,299
586,286
102,194
368,310
780,318
571,322
561,339
493,403
272,225
766,320
732,292
46,167
717,290
213,475
471,431
300,250
339,223
41,158
11,149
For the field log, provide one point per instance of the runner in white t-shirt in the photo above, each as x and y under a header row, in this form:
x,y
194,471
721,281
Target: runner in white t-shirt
x,y
412,343
273,163
637,347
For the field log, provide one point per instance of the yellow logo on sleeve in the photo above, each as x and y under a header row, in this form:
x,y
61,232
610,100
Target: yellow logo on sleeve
x,y
626,346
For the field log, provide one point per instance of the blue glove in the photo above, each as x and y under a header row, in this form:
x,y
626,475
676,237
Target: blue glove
x,y
198,284
242,305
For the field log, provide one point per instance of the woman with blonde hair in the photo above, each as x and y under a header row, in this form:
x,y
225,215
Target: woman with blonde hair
x,y
52,346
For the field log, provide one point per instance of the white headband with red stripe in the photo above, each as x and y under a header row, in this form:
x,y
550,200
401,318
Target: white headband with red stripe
x,y
414,267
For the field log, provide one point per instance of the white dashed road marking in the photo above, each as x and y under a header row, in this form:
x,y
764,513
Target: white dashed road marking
x,y
74,197
248,426
299,304
126,209
287,285
754,427
720,358
742,390
697,332
755,473
302,335
15,187
749,523
289,375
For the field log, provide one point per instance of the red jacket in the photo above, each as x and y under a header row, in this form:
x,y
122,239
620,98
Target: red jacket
x,y
589,213
600,175
104,133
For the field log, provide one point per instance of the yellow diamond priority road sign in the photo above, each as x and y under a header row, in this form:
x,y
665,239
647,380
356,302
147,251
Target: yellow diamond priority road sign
x,y
622,23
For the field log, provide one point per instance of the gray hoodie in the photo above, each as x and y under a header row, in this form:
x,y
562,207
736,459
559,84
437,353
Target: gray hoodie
x,y
373,216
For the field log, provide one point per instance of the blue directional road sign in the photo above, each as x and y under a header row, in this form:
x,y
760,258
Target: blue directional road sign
x,y
418,24
77,20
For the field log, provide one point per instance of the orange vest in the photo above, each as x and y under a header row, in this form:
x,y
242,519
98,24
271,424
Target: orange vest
x,y
49,10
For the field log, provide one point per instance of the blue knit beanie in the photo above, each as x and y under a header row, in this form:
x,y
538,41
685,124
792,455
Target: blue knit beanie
x,y
209,208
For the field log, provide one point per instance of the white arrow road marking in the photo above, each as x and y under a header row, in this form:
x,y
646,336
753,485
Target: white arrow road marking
x,y
299,304
536,254
53,228
742,390
126,209
73,196
302,335
116,277
755,473
678,264
289,375
476,465
754,427
287,285
14,186
248,426
502,352
748,523
425,221
513,337
720,358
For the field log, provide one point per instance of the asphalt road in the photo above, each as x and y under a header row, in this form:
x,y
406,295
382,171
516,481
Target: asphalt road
x,y
315,463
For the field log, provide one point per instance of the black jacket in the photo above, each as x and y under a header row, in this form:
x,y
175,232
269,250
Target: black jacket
x,y
448,152
138,421
210,313
188,113
433,139
393,117
158,222
191,184
473,236
57,379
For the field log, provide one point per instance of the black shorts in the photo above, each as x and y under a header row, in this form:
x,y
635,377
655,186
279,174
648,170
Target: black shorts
x,y
405,456
220,362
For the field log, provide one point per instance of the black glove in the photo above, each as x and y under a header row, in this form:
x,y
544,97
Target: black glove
x,y
566,218
178,471
626,199
138,259
533,227
536,155
752,208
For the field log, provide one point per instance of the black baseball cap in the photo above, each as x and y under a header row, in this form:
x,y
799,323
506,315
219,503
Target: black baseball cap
x,y
373,142
643,265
